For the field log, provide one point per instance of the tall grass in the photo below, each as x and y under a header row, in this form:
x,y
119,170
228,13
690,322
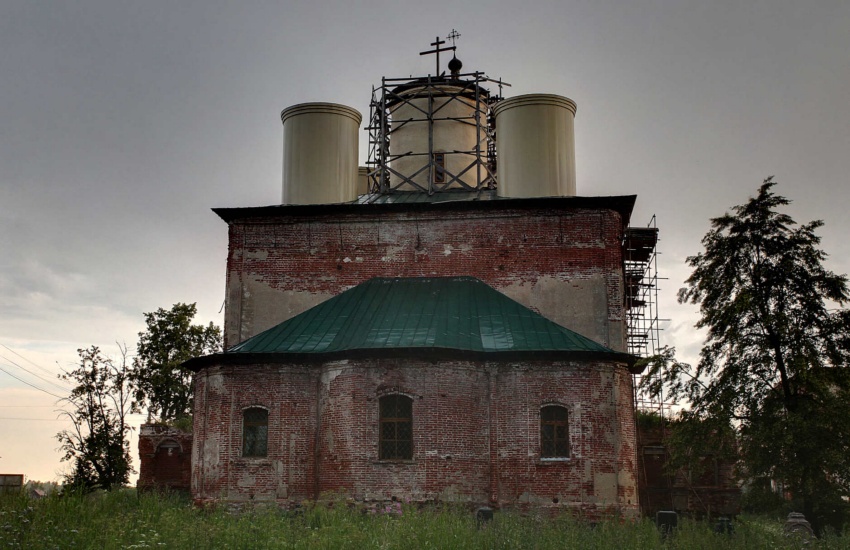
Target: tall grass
x,y
124,520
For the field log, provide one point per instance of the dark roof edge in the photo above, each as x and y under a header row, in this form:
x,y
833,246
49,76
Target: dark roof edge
x,y
623,204
199,363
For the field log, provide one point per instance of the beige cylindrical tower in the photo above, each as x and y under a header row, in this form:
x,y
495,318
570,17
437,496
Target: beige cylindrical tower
x,y
454,135
535,146
320,153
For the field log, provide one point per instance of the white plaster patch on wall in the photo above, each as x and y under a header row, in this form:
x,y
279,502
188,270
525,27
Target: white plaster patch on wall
x,y
605,485
331,370
569,303
215,382
256,254
392,253
266,306
246,481
577,434
211,454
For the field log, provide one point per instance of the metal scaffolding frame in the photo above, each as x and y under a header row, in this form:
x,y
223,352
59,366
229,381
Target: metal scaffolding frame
x,y
643,339
394,93
643,326
641,289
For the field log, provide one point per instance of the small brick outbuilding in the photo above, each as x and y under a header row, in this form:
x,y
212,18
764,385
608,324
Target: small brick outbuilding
x,y
165,458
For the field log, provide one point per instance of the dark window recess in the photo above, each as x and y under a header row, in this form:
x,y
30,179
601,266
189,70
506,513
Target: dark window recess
x,y
654,459
255,432
554,432
396,428
439,168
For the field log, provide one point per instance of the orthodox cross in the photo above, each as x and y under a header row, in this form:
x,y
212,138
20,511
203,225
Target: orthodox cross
x,y
453,36
437,49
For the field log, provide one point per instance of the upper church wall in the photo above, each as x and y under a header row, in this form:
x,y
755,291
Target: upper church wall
x,y
564,263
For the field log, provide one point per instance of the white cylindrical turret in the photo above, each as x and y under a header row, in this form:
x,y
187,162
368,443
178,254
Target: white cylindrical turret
x,y
452,139
320,151
535,146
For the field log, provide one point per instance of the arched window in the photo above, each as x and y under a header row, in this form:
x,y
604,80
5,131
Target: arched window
x,y
255,432
554,432
169,447
396,428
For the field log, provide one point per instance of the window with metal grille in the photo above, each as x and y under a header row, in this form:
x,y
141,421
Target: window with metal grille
x,y
439,168
554,432
255,432
396,428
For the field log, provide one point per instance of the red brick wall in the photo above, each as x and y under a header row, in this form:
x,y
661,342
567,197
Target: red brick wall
x,y
164,458
476,433
511,249
714,492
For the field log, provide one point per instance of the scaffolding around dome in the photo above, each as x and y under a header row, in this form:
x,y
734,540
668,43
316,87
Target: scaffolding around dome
x,y
432,134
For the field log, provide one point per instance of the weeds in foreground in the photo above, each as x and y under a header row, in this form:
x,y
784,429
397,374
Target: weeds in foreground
x,y
124,520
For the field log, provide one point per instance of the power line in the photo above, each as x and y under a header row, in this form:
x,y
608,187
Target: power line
x,y
28,360
34,374
31,385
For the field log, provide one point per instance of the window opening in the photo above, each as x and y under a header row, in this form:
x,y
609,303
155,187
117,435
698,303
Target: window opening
x,y
439,168
554,432
396,428
169,447
255,432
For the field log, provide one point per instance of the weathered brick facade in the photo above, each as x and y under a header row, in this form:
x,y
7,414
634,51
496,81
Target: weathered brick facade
x,y
476,433
165,458
476,422
560,256
713,491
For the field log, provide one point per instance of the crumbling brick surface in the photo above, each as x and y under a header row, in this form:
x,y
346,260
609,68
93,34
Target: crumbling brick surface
x,y
476,432
713,490
564,263
476,424
164,458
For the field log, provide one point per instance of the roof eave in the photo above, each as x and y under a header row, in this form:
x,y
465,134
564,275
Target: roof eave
x,y
622,204
429,354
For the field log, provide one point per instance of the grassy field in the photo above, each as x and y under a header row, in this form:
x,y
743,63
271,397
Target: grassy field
x,y
125,520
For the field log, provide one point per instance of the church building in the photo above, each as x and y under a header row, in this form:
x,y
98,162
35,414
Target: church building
x,y
449,322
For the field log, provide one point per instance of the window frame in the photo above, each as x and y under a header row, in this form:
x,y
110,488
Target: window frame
x,y
549,446
251,425
397,421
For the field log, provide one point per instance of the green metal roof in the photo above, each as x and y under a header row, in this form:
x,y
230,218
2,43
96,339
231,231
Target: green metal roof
x,y
454,313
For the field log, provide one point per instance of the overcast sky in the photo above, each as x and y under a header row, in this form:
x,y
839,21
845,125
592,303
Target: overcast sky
x,y
123,122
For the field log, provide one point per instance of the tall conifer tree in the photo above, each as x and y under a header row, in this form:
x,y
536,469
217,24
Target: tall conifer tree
x,y
774,365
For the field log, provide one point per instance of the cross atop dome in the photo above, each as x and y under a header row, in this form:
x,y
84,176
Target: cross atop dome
x,y
437,49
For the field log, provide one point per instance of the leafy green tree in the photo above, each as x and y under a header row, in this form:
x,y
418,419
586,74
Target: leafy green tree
x,y
97,442
775,361
161,384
